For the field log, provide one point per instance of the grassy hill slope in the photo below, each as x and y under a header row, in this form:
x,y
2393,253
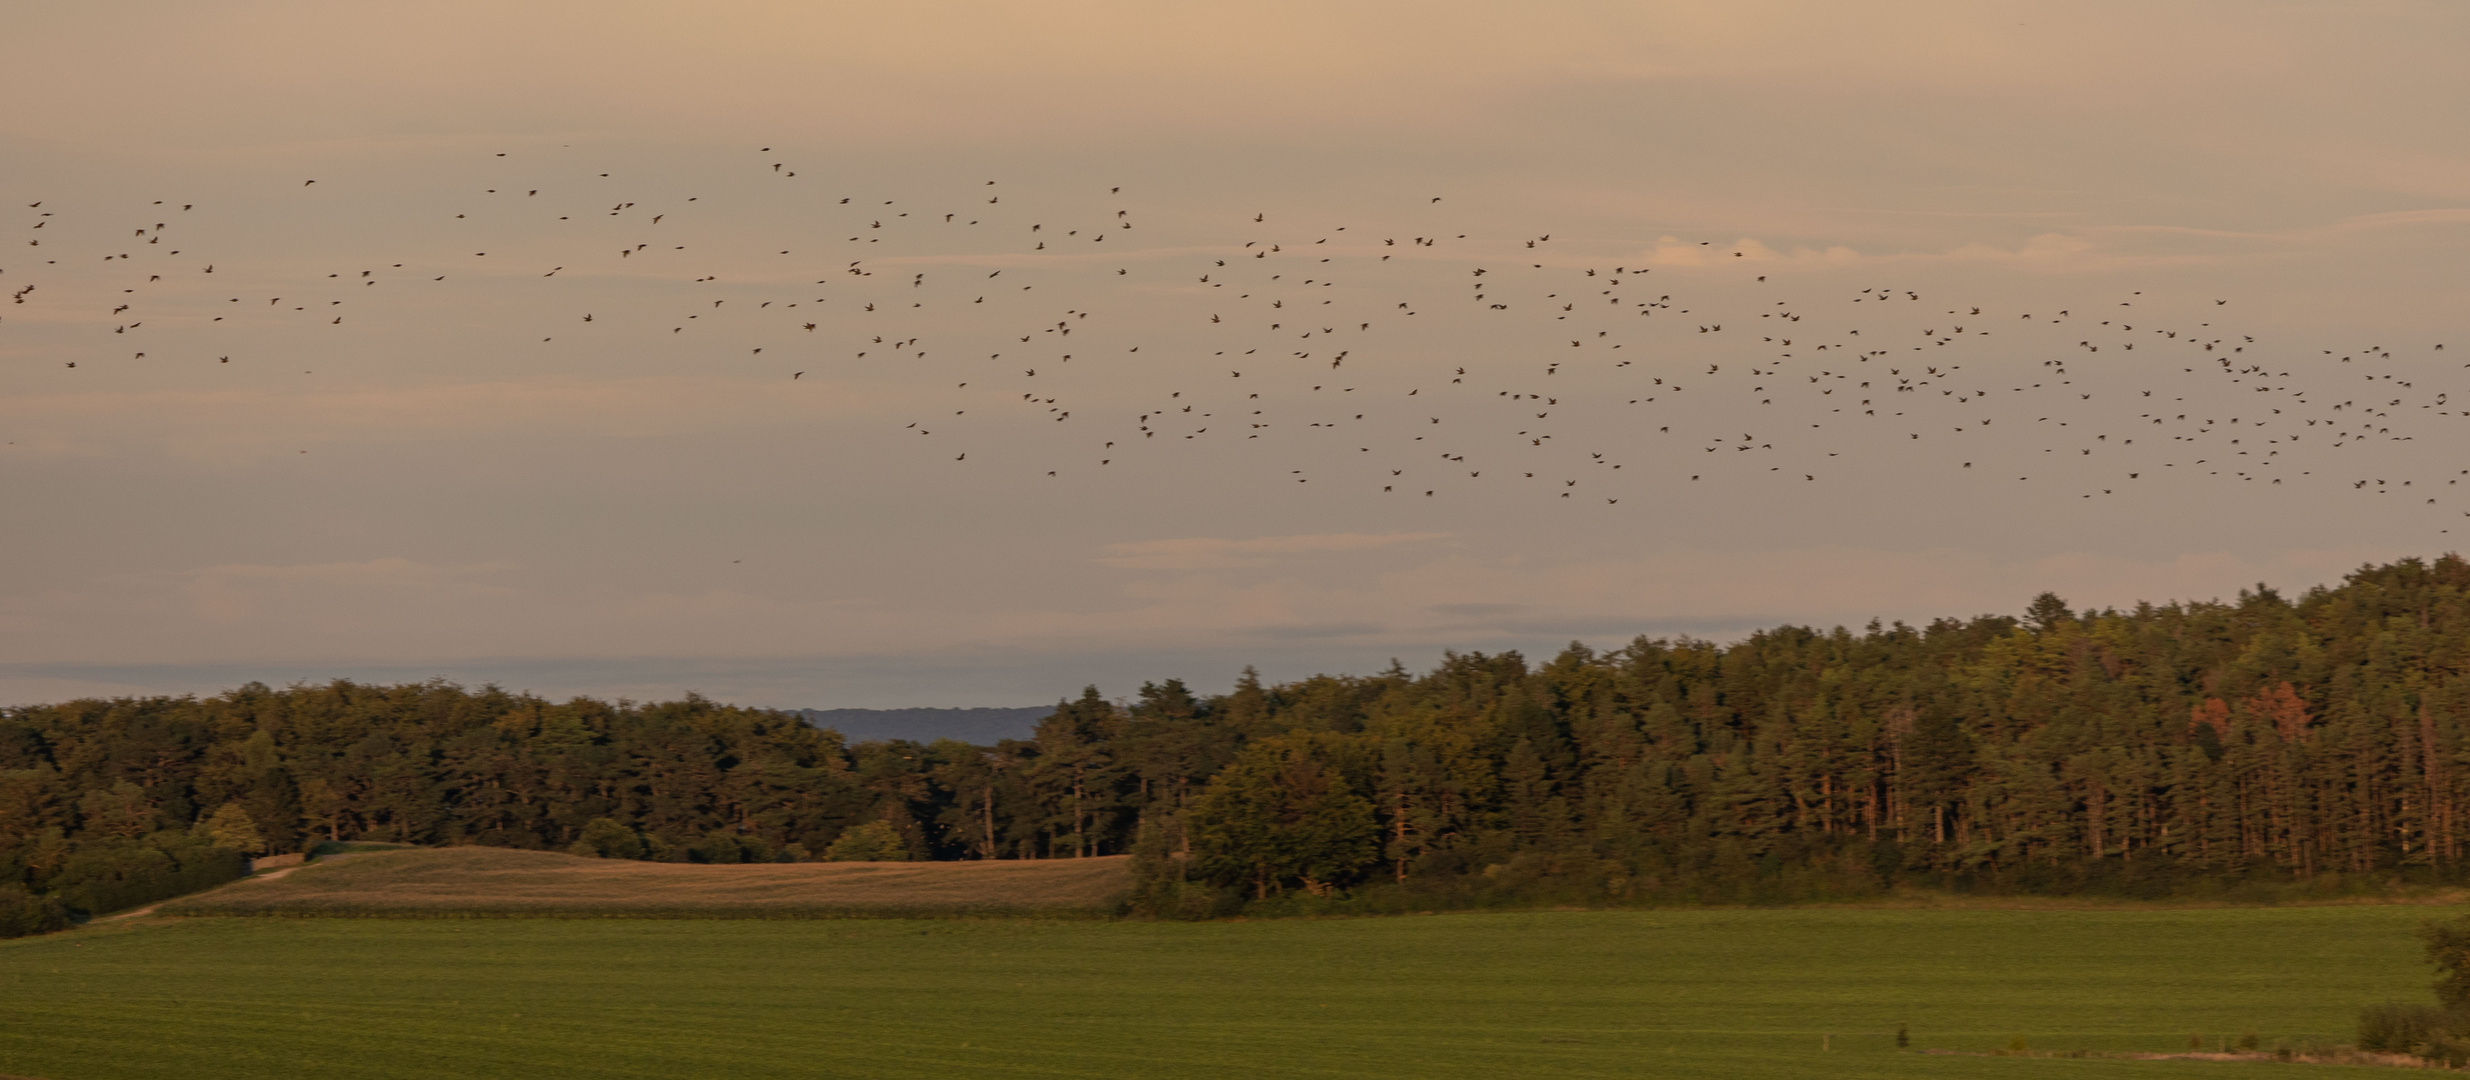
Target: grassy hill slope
x,y
501,881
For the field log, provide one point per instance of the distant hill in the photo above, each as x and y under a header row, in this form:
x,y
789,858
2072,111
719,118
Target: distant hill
x,y
980,726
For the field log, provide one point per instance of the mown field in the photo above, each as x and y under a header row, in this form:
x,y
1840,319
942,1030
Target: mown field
x,y
1699,993
503,881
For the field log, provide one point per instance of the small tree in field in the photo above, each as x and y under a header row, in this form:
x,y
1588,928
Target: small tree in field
x,y
874,841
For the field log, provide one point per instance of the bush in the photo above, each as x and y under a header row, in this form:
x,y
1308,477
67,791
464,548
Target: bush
x,y
2437,1033
2426,1030
1163,896
724,847
605,838
2448,948
127,873
873,841
23,913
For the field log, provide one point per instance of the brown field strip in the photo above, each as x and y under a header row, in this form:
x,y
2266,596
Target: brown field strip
x,y
480,881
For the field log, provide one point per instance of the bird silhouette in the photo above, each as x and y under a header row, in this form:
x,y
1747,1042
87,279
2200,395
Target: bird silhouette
x,y
2003,381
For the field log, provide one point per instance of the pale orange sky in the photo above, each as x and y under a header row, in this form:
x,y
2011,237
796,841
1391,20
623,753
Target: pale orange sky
x,y
429,489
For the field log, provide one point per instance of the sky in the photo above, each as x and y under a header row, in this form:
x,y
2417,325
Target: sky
x,y
1567,268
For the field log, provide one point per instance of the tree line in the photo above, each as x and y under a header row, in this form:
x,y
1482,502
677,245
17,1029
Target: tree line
x,y
2185,747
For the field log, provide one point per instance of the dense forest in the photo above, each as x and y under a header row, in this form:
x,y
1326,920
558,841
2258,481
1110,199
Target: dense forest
x,y
2189,747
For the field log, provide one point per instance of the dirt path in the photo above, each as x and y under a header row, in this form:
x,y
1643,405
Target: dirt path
x,y
269,875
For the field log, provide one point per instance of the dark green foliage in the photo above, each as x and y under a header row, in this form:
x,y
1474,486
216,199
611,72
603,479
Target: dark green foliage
x,y
97,797
2248,749
2448,949
870,841
23,913
1278,817
2396,1028
1163,888
718,848
2439,1033
606,838
122,874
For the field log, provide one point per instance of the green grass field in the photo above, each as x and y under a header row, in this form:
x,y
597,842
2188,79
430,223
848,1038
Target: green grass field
x,y
1700,993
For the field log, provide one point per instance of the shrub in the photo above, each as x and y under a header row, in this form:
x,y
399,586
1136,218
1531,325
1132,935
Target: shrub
x,y
23,913
719,848
1169,898
2448,948
873,841
2395,1028
723,847
2431,1032
127,873
605,838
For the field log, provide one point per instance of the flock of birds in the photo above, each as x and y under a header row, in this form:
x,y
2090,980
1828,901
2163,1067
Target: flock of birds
x,y
1415,364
